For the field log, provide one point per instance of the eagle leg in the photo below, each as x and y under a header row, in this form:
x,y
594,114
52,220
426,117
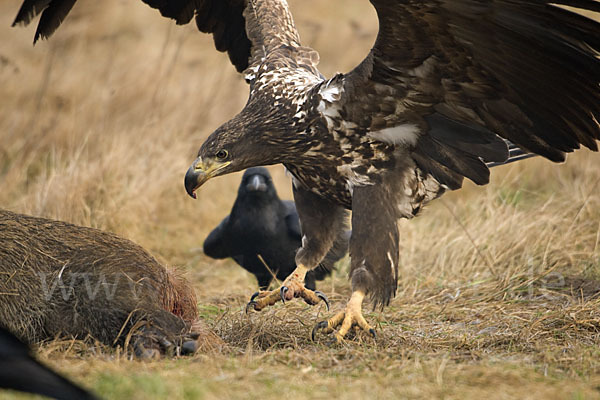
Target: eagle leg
x,y
292,287
322,222
350,318
373,250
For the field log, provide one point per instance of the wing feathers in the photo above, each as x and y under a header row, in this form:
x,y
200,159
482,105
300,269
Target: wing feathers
x,y
223,18
452,150
454,160
182,11
527,71
29,10
543,58
452,180
470,139
53,13
269,23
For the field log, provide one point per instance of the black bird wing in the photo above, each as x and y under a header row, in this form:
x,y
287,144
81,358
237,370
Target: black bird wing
x,y
448,79
20,371
217,243
245,29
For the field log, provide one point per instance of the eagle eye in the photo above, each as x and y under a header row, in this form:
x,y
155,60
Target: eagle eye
x,y
222,154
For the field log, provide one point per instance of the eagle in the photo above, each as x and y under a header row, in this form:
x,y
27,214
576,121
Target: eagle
x,y
262,234
445,84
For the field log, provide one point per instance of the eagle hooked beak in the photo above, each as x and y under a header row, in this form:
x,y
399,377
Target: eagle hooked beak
x,y
201,171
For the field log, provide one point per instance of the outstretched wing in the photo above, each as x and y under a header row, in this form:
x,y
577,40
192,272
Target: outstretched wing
x,y
448,79
245,29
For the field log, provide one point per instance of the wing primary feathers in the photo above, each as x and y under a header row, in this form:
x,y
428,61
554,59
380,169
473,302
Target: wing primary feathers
x,y
29,10
52,17
471,72
53,13
222,18
182,11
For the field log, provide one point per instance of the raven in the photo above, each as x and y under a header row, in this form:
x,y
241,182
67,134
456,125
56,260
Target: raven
x,y
262,233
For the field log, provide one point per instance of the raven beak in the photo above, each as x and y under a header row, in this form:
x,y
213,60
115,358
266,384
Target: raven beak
x,y
256,184
195,176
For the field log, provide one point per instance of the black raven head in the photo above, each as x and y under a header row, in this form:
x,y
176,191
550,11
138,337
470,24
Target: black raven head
x,y
257,184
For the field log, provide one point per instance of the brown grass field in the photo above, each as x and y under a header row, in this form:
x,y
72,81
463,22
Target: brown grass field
x,y
498,292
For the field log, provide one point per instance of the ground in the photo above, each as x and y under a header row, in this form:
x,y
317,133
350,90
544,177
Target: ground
x,y
498,290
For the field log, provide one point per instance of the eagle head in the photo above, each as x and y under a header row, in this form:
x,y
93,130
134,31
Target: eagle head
x,y
217,156
237,145
258,135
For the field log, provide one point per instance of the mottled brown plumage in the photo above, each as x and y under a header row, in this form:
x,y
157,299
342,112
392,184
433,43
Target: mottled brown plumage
x,y
446,83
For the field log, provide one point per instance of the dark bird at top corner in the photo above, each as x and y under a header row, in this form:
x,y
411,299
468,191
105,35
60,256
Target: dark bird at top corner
x,y
262,234
20,371
445,86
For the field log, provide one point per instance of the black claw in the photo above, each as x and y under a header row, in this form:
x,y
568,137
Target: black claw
x,y
255,295
251,303
318,326
282,293
322,296
372,332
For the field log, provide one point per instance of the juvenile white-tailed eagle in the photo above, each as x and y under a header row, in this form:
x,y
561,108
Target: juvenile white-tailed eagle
x,y
445,83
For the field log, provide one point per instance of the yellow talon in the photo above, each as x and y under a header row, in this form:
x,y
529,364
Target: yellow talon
x,y
293,286
350,317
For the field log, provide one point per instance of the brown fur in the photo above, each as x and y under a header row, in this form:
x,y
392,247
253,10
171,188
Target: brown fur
x,y
59,279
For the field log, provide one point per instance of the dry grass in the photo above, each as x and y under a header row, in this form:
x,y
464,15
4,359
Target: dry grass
x,y
499,285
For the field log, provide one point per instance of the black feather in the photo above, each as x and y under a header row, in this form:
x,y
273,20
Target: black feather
x,y
52,17
223,18
29,10
20,371
451,149
452,180
469,139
